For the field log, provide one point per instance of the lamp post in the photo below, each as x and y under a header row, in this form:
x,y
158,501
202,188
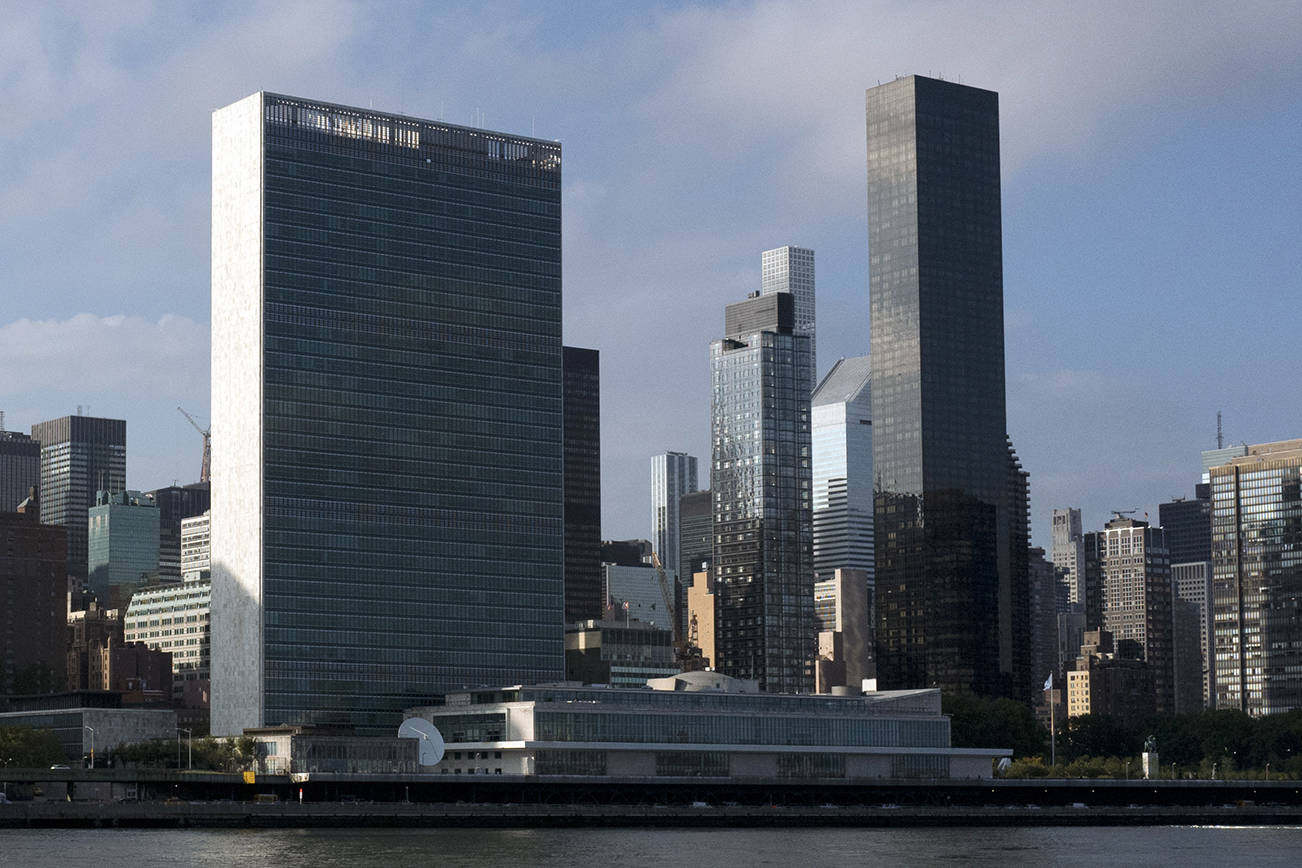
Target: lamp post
x,y
1213,771
189,734
92,743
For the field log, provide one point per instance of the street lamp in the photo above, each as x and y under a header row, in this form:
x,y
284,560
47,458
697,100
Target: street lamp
x,y
92,743
1213,771
189,734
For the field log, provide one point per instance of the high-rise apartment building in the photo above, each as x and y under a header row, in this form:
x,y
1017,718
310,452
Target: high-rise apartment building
x,y
122,546
20,467
1257,578
673,474
33,600
842,438
582,399
1068,553
1044,617
945,560
1137,598
760,479
80,455
791,269
387,514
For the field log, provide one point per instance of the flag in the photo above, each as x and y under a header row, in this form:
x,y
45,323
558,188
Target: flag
x,y
626,605
1048,682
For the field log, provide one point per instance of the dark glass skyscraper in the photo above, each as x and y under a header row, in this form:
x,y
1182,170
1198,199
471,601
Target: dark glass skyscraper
x,y
582,484
79,456
945,584
176,502
1188,526
387,413
760,480
20,467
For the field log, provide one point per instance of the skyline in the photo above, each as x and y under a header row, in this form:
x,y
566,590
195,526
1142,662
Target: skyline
x,y
1148,191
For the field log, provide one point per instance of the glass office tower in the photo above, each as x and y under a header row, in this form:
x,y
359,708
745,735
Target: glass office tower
x,y
1257,578
387,413
20,467
673,474
843,470
945,584
582,484
79,456
760,482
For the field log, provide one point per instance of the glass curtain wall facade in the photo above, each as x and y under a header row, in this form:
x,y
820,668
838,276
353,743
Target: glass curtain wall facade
x,y
1257,579
387,403
760,481
20,467
1188,526
122,546
943,557
79,456
791,269
842,440
582,484
673,474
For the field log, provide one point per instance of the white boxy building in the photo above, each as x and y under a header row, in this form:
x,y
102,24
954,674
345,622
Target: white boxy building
x,y
700,724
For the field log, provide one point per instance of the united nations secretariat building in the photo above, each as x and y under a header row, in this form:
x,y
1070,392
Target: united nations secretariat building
x,y
699,725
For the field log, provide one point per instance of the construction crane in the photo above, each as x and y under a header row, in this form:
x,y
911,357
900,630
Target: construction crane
x,y
207,445
687,655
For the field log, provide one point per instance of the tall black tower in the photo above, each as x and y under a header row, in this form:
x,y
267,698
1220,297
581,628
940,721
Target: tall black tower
x,y
948,593
582,402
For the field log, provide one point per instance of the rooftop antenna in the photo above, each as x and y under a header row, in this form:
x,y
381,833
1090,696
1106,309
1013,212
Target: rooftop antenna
x,y
1220,435
2,420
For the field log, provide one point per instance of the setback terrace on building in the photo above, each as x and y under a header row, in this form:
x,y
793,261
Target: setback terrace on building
x,y
699,724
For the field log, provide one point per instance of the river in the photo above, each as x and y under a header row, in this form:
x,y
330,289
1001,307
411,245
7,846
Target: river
x,y
749,848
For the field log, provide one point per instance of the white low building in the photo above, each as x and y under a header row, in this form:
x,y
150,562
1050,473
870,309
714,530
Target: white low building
x,y
700,724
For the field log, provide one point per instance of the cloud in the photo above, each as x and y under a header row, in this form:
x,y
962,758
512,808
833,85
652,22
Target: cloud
x,y
87,355
696,135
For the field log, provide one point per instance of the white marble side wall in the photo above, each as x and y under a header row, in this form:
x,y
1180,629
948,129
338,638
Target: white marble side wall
x,y
237,197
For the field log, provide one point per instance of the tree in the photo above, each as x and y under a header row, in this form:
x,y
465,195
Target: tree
x,y
977,721
1098,735
25,747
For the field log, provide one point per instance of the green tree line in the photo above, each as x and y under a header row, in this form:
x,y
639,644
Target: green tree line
x,y
210,754
1223,743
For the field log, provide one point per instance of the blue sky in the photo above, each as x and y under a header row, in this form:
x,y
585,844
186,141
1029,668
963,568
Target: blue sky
x,y
1152,183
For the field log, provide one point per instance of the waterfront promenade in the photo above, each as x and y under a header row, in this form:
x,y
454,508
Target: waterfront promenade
x,y
225,814
151,798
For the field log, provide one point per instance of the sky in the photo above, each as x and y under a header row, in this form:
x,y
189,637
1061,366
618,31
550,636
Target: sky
x,y
1152,202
